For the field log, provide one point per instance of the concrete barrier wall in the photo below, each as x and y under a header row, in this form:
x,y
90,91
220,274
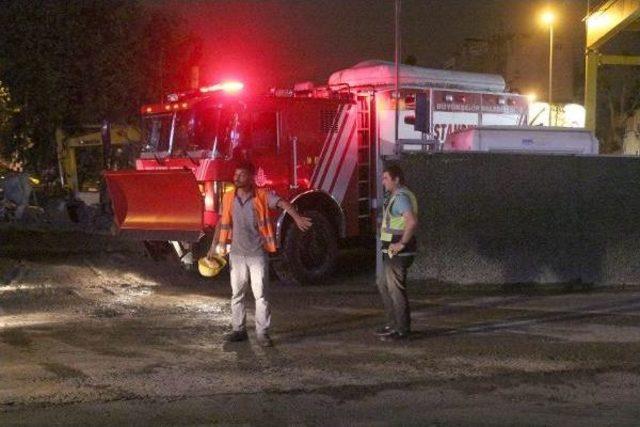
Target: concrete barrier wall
x,y
513,218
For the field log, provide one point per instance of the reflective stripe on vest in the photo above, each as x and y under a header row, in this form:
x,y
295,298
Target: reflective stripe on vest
x,y
261,213
393,225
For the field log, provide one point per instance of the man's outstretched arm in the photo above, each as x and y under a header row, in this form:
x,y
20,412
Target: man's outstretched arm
x,y
302,222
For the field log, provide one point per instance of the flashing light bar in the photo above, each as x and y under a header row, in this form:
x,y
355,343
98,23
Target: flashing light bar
x,y
175,103
281,93
230,87
303,87
160,108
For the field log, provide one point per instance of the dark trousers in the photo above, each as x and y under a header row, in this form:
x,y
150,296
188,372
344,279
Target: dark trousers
x,y
393,291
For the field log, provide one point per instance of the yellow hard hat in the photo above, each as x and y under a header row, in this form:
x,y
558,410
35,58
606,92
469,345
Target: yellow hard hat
x,y
211,267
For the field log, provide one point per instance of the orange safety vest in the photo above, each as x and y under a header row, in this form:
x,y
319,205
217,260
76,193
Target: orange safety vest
x,y
261,212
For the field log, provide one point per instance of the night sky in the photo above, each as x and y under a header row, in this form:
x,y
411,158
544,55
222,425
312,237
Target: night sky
x,y
278,42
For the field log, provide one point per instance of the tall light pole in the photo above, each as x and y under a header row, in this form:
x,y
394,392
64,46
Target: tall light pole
x,y
379,163
397,53
548,18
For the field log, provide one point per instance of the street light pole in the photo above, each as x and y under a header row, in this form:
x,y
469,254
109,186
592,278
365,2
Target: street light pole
x,y
550,70
548,18
379,162
397,66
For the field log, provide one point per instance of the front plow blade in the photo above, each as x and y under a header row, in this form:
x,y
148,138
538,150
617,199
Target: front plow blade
x,y
156,205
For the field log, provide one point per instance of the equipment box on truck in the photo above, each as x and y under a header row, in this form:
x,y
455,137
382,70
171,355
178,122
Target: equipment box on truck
x,y
517,139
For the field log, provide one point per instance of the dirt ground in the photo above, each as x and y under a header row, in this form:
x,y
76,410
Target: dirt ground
x,y
92,332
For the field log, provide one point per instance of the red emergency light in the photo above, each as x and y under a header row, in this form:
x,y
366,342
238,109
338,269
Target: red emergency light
x,y
230,87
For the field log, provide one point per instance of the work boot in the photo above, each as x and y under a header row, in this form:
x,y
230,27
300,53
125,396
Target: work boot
x,y
395,337
236,336
265,341
383,331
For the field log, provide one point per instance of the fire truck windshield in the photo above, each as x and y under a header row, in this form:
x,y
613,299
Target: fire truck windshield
x,y
206,131
156,131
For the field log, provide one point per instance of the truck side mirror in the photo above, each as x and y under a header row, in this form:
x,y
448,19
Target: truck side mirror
x,y
105,133
422,113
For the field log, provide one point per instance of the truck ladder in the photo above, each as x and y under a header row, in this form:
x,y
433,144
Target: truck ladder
x,y
364,169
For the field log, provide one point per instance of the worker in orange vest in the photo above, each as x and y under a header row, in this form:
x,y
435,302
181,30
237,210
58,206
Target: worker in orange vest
x,y
245,227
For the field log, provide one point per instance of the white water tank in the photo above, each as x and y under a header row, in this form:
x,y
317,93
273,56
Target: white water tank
x,y
383,73
518,139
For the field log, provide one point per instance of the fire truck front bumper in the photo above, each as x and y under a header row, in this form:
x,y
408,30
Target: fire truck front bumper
x,y
156,205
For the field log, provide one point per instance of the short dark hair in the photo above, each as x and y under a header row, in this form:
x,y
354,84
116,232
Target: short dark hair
x,y
394,172
247,166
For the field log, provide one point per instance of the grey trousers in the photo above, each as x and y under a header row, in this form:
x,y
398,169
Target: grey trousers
x,y
393,291
254,270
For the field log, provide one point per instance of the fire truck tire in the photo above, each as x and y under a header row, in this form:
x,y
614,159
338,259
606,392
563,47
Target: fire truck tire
x,y
159,251
201,247
308,257
196,251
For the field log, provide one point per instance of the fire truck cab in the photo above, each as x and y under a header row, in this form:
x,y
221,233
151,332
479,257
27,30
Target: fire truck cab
x,y
320,147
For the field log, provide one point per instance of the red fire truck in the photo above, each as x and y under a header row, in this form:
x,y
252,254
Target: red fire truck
x,y
319,146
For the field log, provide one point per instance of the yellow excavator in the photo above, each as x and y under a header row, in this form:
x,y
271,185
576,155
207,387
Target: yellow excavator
x,y
85,154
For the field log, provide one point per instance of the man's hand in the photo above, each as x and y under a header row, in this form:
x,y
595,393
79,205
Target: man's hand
x,y
219,249
395,248
303,222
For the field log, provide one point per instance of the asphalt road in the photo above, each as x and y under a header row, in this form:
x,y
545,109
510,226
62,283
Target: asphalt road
x,y
91,332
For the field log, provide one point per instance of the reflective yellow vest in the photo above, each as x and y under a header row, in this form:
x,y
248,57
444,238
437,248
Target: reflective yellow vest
x,y
395,225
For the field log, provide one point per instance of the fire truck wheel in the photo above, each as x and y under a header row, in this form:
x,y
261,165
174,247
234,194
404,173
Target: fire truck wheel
x,y
201,247
310,256
158,251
